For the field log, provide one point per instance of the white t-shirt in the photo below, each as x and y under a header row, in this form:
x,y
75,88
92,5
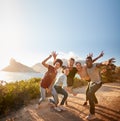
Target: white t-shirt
x,y
94,74
61,80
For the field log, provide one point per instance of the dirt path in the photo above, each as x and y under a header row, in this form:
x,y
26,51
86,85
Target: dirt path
x,y
108,108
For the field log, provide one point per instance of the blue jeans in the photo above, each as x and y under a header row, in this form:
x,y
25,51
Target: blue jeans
x,y
43,95
60,90
93,87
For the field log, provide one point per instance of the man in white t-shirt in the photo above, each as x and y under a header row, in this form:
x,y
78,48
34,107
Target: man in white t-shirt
x,y
95,83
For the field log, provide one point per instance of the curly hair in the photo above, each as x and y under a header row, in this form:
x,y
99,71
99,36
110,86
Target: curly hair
x,y
59,61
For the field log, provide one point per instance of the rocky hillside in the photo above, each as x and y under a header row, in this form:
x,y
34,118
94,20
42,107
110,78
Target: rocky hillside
x,y
39,68
15,66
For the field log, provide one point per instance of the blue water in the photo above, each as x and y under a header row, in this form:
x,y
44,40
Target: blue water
x,y
17,76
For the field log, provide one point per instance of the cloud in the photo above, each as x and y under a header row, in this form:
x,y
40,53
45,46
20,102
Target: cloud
x,y
69,55
66,56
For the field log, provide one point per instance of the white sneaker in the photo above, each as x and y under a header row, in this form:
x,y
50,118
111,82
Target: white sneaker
x,y
57,109
62,107
90,117
37,106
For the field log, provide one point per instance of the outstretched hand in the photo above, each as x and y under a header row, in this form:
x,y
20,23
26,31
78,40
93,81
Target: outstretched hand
x,y
54,54
90,55
48,90
74,94
101,54
111,60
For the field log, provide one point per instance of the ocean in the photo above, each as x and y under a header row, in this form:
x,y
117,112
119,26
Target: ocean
x,y
17,76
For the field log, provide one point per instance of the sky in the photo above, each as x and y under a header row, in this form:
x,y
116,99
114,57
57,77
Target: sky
x,y
31,29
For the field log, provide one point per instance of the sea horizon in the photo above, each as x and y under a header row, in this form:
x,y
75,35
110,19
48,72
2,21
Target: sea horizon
x,y
18,76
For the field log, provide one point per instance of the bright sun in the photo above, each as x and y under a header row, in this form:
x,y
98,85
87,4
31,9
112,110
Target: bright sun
x,y
11,34
10,42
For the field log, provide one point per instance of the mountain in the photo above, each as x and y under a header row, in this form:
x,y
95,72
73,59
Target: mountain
x,y
40,68
15,66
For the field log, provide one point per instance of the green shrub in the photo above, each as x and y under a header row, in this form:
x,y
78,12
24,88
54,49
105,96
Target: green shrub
x,y
78,82
14,95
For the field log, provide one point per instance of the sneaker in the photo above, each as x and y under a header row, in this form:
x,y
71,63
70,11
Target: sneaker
x,y
51,101
37,106
62,107
57,109
85,103
90,117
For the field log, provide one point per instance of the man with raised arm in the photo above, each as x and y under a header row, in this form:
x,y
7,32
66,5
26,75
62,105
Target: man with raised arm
x,y
93,70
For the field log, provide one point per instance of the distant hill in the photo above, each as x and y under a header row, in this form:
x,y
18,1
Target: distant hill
x,y
40,68
17,67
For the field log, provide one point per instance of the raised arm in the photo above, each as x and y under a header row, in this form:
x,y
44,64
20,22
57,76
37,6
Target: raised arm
x,y
101,54
54,54
110,61
44,61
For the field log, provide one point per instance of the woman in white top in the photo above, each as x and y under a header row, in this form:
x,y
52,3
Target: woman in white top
x,y
61,86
